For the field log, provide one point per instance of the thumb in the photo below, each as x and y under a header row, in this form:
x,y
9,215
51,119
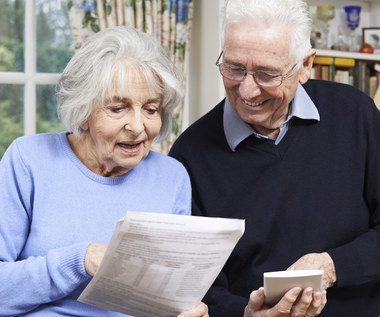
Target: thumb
x,y
256,300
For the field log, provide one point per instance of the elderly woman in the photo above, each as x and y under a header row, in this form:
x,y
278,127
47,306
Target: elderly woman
x,y
62,194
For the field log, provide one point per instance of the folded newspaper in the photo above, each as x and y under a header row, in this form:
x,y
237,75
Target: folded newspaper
x,y
159,265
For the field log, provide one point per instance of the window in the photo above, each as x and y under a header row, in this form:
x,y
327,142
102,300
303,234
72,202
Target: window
x,y
35,46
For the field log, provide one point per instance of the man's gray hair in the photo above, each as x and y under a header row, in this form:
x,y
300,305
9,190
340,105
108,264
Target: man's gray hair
x,y
103,65
293,15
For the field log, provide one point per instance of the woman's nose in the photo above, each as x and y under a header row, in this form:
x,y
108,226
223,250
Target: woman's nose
x,y
135,123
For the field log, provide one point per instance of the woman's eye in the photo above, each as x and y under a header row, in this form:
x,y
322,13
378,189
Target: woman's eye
x,y
116,109
151,110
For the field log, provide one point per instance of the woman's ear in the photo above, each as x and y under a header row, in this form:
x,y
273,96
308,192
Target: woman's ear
x,y
84,125
307,65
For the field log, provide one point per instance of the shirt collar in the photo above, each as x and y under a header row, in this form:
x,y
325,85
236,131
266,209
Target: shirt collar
x,y
236,130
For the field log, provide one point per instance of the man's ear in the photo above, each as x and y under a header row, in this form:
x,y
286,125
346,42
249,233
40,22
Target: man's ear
x,y
307,65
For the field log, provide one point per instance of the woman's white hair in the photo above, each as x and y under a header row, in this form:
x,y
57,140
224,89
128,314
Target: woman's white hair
x,y
104,64
294,15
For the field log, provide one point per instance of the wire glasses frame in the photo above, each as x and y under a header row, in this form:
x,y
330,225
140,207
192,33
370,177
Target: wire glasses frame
x,y
262,77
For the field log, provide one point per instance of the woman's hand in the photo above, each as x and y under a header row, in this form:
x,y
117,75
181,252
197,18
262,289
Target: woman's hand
x,y
201,310
94,256
308,304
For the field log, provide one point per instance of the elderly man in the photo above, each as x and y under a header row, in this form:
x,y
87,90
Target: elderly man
x,y
298,159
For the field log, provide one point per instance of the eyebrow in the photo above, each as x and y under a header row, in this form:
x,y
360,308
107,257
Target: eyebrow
x,y
234,64
261,68
126,99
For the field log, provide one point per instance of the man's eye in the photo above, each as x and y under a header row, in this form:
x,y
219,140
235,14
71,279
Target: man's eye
x,y
266,76
237,69
268,73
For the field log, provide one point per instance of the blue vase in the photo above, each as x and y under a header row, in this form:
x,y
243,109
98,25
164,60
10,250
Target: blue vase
x,y
353,16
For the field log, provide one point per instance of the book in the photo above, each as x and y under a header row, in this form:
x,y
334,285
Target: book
x,y
317,71
337,69
372,85
277,283
376,98
325,72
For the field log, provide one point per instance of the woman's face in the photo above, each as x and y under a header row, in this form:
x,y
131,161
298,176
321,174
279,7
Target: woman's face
x,y
120,132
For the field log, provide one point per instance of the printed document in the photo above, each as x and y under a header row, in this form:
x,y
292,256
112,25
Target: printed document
x,y
159,265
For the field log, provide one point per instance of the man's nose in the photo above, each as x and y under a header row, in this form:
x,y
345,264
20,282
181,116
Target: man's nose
x,y
249,88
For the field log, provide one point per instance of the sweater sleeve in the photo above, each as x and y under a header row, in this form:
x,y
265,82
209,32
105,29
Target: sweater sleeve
x,y
27,283
358,262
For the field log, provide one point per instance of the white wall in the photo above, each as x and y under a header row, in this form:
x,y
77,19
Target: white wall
x,y
205,89
375,13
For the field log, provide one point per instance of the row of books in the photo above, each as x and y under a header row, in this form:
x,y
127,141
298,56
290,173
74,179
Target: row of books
x,y
365,75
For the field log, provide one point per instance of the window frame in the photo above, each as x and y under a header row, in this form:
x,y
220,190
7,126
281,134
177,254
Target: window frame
x,y
30,79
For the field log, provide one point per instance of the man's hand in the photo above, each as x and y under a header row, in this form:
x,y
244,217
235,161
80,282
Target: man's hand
x,y
292,304
317,261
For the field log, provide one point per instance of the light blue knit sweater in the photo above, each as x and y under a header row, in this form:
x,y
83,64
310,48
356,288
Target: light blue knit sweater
x,y
52,207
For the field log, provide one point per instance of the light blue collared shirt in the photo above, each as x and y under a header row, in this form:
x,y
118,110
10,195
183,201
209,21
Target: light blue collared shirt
x,y
236,130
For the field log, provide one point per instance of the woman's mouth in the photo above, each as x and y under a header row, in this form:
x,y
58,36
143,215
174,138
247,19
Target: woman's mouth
x,y
132,147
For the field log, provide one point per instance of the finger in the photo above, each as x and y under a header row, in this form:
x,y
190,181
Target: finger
x,y
315,305
300,308
285,305
256,299
255,303
201,310
323,302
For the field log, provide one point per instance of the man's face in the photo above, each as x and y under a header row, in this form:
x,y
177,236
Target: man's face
x,y
264,108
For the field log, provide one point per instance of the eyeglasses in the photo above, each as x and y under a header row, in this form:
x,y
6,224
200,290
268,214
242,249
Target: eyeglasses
x,y
262,77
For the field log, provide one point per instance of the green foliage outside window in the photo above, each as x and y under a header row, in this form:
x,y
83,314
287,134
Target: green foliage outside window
x,y
54,50
49,59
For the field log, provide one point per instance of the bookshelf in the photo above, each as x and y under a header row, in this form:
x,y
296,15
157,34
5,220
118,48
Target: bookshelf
x,y
356,69
362,74
353,55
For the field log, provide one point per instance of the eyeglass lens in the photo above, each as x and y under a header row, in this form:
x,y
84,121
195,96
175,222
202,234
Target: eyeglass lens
x,y
238,74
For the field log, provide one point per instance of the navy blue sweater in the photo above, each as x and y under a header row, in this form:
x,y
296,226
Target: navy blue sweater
x,y
318,190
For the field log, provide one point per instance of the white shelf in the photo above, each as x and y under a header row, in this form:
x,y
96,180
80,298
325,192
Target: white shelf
x,y
360,56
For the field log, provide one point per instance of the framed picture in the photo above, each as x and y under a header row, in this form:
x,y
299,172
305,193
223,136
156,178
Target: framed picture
x,y
372,37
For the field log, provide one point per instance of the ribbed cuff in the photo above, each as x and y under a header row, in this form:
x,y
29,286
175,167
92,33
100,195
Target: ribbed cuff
x,y
66,265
